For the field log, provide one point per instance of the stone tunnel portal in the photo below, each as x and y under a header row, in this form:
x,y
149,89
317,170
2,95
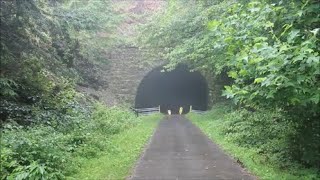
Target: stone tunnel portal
x,y
172,90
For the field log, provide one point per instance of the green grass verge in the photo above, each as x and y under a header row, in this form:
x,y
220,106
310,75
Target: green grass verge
x,y
214,125
121,155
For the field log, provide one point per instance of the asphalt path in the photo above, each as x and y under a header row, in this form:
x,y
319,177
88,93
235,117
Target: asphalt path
x,y
178,150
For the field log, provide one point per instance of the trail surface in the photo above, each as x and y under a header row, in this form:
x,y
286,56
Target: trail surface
x,y
179,150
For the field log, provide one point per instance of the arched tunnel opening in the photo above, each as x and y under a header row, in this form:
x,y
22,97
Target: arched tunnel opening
x,y
172,90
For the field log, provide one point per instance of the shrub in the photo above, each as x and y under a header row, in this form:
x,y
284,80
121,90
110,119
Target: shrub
x,y
268,132
272,133
46,150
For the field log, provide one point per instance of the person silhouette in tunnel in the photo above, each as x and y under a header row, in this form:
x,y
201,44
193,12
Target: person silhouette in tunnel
x,y
180,110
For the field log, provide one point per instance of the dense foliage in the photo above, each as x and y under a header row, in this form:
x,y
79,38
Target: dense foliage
x,y
265,53
50,152
258,140
270,49
46,47
122,152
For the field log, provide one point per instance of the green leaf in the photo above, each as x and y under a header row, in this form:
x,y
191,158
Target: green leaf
x,y
42,170
228,92
293,34
260,39
259,80
233,74
269,24
243,72
294,100
315,98
270,94
315,31
213,24
312,59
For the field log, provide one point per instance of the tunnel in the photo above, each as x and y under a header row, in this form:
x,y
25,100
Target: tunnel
x,y
172,90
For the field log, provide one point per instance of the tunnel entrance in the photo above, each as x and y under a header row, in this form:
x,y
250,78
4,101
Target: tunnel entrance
x,y
172,90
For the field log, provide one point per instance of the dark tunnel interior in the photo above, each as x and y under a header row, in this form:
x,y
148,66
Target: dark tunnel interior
x,y
172,90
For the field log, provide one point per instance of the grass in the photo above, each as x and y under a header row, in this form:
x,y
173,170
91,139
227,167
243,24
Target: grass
x,y
213,125
125,148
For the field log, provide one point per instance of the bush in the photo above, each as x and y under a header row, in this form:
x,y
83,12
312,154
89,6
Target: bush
x,y
268,132
112,121
264,141
271,133
47,151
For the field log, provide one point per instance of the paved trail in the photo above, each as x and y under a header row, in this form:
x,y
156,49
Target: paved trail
x,y
180,151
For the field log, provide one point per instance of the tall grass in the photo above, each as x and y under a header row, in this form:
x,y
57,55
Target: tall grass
x,y
259,140
51,150
123,150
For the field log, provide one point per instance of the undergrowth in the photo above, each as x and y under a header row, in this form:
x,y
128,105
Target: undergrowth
x,y
122,151
262,141
49,151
